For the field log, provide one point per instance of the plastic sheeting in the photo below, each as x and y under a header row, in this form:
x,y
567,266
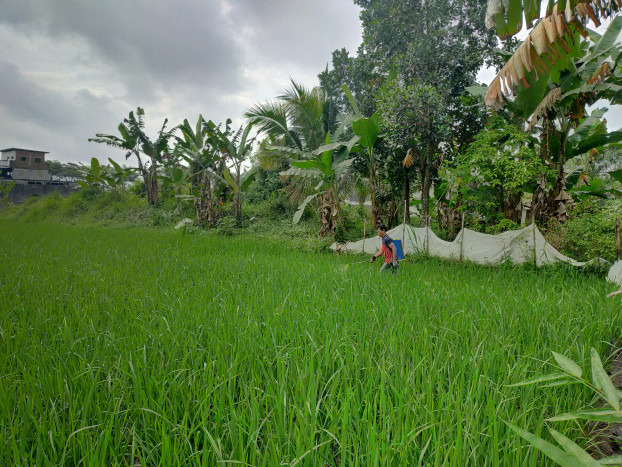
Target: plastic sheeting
x,y
516,246
615,273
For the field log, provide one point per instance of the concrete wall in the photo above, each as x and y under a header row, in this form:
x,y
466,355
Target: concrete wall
x,y
22,191
31,174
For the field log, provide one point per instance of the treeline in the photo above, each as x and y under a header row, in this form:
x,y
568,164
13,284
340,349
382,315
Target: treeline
x,y
406,114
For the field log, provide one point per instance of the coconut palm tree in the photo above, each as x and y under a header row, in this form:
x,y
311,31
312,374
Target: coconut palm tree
x,y
300,118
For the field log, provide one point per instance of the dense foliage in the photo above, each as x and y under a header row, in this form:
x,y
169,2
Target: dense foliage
x,y
493,173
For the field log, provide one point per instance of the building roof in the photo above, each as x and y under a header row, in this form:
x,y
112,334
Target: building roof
x,y
20,149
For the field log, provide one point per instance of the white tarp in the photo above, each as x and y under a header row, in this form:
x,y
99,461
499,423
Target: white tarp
x,y
516,246
615,273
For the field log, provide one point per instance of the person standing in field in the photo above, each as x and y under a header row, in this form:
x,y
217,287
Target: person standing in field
x,y
387,249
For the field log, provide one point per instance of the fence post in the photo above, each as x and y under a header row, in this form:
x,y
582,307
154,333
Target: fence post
x,y
462,239
364,224
617,238
427,235
533,230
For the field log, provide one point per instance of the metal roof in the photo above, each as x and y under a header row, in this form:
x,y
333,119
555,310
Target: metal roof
x,y
20,149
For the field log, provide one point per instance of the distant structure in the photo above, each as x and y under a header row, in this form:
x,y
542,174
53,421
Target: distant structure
x,y
28,175
24,164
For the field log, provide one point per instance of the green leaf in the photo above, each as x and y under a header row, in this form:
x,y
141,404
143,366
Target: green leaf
x,y
178,174
83,184
229,179
116,166
477,91
514,16
327,163
125,133
540,379
367,129
330,147
553,452
568,365
608,39
616,175
574,450
607,416
599,89
614,460
305,164
602,381
249,177
528,99
302,207
350,98
95,167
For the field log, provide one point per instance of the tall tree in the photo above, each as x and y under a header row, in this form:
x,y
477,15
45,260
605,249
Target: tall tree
x,y
300,118
414,117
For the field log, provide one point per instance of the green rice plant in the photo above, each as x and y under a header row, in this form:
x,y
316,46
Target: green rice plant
x,y
571,454
151,347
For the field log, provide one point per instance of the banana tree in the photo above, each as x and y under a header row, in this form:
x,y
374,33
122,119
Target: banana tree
x,y
551,41
134,140
236,149
196,149
366,129
113,176
328,166
555,108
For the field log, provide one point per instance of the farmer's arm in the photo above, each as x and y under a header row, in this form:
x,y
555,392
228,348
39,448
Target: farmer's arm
x,y
375,255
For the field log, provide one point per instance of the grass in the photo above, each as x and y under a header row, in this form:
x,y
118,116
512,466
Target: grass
x,y
146,346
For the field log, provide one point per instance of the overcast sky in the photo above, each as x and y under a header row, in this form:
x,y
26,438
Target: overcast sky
x,y
73,68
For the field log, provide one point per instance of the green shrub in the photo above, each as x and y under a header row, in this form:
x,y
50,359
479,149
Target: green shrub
x,y
276,206
502,226
590,232
91,192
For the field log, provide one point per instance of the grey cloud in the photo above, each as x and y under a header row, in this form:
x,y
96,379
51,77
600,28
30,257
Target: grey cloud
x,y
151,44
304,30
77,67
28,101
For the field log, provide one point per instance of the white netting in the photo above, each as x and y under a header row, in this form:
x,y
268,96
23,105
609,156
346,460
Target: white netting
x,y
516,246
615,273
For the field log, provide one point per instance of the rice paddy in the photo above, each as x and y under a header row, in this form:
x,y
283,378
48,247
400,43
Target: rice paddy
x,y
149,347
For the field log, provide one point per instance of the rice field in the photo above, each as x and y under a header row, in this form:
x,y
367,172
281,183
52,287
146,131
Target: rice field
x,y
149,347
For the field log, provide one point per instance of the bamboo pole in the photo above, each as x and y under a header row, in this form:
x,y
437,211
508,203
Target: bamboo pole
x,y
462,239
533,230
617,238
363,249
427,235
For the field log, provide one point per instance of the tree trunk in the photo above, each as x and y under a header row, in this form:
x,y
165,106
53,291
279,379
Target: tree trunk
x,y
151,183
203,203
237,208
426,183
372,186
329,213
406,197
509,206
